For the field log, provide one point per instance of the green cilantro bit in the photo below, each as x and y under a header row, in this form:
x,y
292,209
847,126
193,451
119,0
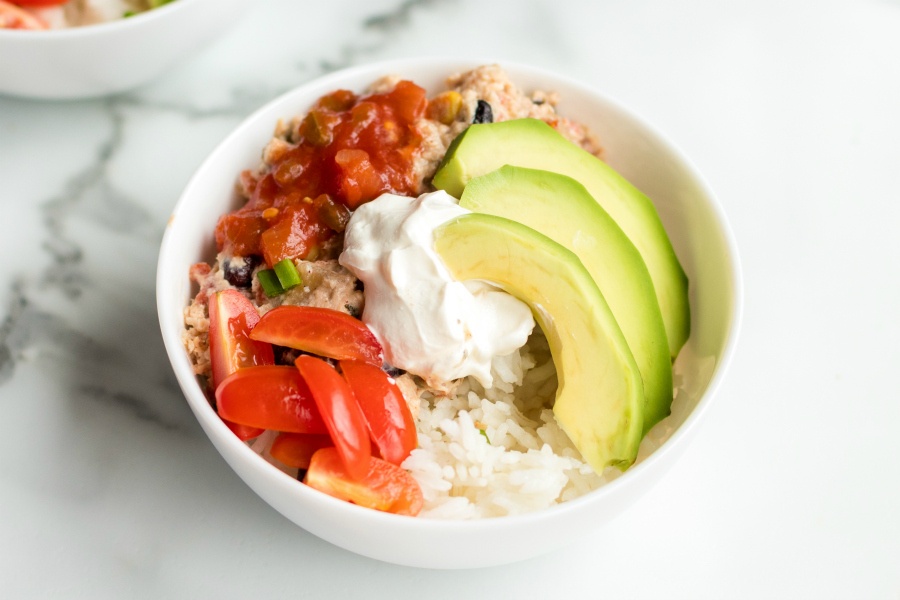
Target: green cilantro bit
x,y
269,282
287,274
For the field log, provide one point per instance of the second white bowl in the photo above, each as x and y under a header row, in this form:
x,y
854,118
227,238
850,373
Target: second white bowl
x,y
97,60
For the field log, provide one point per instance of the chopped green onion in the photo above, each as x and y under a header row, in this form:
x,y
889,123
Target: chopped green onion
x,y
128,13
287,274
269,282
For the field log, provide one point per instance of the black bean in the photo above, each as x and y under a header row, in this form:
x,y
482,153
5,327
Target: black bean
x,y
239,270
483,113
393,371
285,355
353,311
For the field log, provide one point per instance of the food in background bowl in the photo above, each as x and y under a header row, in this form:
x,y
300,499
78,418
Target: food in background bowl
x,y
110,56
349,214
60,14
694,223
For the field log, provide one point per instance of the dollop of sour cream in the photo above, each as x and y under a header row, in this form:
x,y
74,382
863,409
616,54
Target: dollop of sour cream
x,y
427,322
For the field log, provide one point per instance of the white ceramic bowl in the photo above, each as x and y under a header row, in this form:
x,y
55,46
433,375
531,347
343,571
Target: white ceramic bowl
x,y
701,237
97,60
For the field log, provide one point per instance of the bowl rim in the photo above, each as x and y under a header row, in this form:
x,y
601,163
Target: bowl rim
x,y
634,475
97,29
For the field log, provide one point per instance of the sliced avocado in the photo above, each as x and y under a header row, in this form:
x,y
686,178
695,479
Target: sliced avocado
x,y
562,209
532,143
600,398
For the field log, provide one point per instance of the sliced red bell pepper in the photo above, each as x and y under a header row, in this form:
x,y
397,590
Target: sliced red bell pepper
x,y
297,449
384,486
320,331
243,432
389,420
269,397
341,413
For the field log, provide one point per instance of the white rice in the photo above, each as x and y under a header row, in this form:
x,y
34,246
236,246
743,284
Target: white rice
x,y
496,452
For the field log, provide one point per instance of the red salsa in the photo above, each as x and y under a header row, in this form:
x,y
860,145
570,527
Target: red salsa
x,y
351,150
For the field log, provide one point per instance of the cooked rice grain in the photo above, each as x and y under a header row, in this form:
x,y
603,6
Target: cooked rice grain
x,y
497,445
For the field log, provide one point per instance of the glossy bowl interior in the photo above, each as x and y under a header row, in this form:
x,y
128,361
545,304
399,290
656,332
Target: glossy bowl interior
x,y
698,230
106,58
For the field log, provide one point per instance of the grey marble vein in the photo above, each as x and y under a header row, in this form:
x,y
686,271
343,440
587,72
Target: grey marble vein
x,y
396,20
134,404
102,372
11,331
384,27
90,193
36,327
242,100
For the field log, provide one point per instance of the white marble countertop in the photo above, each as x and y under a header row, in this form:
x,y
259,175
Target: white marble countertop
x,y
791,109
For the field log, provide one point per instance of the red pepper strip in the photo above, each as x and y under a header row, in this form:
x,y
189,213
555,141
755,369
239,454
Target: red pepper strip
x,y
297,449
384,486
341,413
388,417
320,331
269,397
243,432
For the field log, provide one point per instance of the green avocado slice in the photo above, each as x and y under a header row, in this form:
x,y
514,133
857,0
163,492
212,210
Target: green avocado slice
x,y
532,143
562,209
600,398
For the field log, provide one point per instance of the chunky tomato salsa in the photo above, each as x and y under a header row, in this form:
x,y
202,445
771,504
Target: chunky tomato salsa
x,y
351,149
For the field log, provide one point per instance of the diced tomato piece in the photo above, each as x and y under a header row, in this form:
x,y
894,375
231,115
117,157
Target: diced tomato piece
x,y
384,486
340,411
360,180
297,230
320,331
231,317
390,422
269,397
408,100
297,449
238,233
